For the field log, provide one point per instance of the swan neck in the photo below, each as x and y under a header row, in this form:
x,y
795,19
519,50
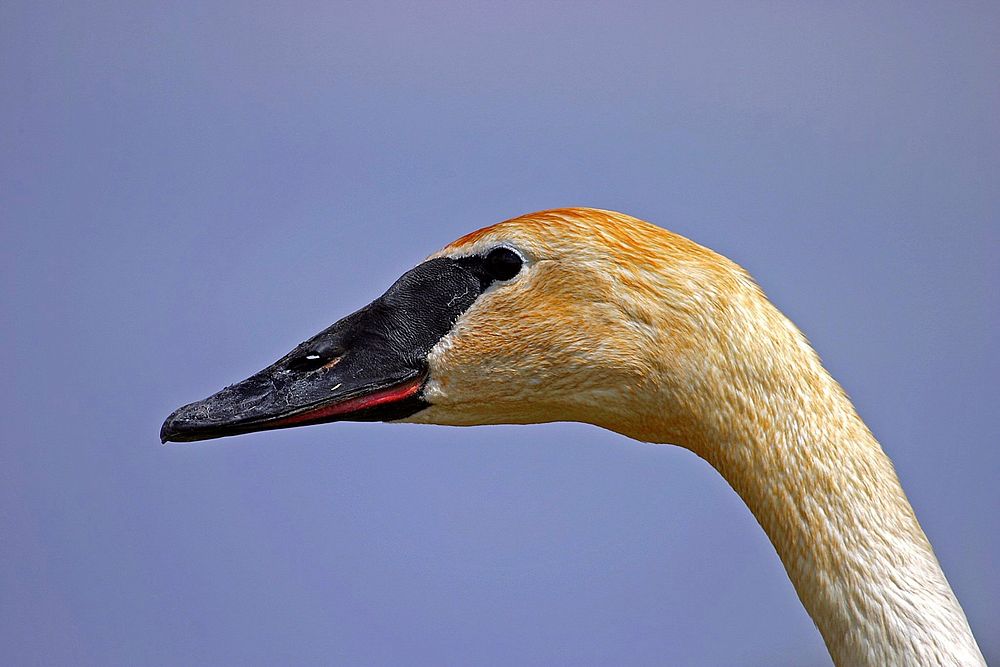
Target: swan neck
x,y
784,435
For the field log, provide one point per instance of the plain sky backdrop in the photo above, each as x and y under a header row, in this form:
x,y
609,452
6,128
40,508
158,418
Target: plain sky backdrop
x,y
189,189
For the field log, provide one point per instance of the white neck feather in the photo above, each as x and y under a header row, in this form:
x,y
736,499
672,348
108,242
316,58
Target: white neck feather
x,y
788,440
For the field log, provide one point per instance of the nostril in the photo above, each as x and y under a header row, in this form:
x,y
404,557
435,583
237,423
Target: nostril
x,y
314,355
309,361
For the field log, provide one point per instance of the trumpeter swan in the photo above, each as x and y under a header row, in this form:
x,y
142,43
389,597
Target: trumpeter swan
x,y
594,316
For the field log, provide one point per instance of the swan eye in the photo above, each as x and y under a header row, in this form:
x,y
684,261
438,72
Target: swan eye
x,y
502,263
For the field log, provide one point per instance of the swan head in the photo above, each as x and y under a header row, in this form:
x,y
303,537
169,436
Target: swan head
x,y
564,315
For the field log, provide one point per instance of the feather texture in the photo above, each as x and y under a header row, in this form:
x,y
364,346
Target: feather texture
x,y
622,324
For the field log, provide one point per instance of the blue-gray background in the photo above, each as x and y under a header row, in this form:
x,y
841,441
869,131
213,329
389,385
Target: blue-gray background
x,y
190,189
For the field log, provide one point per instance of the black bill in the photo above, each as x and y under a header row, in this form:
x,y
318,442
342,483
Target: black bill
x,y
369,366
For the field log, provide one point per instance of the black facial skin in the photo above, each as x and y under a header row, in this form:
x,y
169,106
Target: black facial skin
x,y
377,352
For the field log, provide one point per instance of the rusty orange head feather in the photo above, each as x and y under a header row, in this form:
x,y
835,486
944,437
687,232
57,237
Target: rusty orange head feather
x,y
608,323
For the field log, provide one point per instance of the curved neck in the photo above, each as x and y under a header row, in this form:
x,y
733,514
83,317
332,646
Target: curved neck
x,y
784,435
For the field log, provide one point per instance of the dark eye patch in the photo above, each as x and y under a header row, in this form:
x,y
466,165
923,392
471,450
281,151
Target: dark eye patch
x,y
417,310
500,263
